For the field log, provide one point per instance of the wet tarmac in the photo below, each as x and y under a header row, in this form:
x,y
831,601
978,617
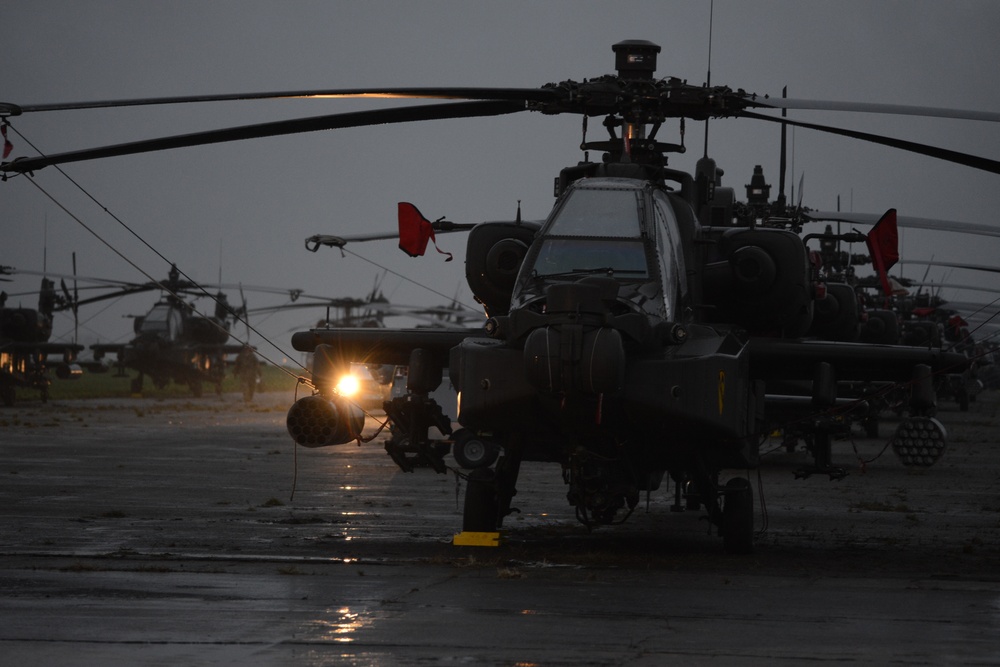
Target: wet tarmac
x,y
192,532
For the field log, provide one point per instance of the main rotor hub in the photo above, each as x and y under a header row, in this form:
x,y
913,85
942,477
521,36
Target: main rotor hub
x,y
635,59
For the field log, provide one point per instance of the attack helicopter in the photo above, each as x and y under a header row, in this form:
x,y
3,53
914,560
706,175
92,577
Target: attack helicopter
x,y
640,332
918,319
175,343
25,347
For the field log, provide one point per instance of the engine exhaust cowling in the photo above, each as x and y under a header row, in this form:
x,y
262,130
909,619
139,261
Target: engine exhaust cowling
x,y
493,257
317,421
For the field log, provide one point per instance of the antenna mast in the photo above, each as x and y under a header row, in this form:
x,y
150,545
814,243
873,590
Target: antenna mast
x,y
708,78
784,150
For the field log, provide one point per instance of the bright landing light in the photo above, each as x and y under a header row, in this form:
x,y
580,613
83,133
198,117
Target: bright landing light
x,y
348,386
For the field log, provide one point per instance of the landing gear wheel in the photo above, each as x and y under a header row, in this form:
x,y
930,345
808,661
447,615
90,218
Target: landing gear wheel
x,y
481,505
737,517
473,452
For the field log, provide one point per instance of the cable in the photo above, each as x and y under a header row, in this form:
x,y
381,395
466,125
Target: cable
x,y
242,319
162,286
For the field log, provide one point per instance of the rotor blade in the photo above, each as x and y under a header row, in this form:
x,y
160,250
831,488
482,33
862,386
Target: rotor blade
x,y
292,293
35,292
971,309
449,93
906,221
954,265
312,300
293,126
128,291
67,276
316,240
104,283
125,286
973,161
99,283
976,288
874,107
368,307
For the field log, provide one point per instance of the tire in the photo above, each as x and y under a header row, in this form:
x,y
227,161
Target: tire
x,y
737,517
472,451
481,505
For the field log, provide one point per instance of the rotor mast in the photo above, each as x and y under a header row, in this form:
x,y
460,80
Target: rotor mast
x,y
635,60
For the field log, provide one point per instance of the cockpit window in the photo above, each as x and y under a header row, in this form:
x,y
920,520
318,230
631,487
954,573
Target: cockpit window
x,y
156,320
600,228
623,258
598,212
597,230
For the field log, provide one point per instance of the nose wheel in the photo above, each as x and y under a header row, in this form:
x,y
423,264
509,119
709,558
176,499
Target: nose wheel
x,y
472,451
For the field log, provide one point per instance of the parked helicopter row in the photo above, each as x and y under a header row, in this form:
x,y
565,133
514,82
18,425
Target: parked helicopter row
x,y
173,342
651,328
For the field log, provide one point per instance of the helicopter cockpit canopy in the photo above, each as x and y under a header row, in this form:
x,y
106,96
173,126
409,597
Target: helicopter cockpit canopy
x,y
161,321
604,227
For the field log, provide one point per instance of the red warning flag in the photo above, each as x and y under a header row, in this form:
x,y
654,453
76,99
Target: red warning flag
x,y
883,244
414,232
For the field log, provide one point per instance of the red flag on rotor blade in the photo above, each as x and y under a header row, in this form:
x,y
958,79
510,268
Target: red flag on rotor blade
x,y
414,232
883,244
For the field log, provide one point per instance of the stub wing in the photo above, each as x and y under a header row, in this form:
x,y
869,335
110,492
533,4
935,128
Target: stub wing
x,y
383,346
779,359
42,348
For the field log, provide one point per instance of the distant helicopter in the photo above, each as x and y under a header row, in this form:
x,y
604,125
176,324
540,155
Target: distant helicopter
x,y
174,343
372,310
892,314
25,349
931,320
643,331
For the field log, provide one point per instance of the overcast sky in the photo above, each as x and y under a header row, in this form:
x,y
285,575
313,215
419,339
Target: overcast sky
x,y
244,209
